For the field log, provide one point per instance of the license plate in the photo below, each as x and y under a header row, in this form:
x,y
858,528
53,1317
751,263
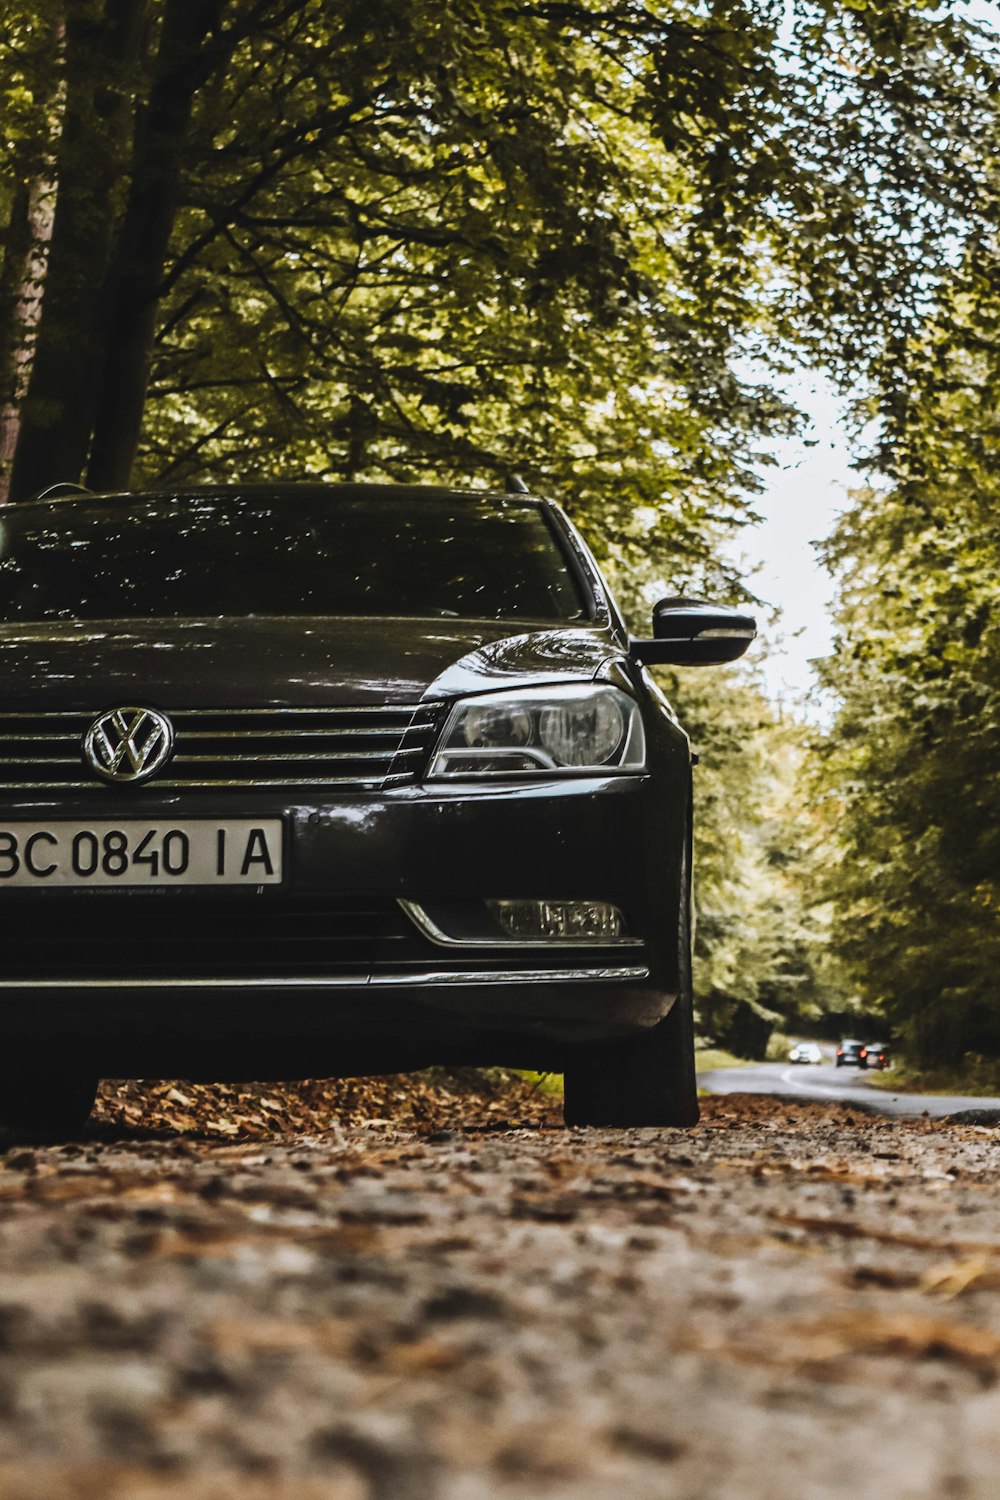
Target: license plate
x,y
136,852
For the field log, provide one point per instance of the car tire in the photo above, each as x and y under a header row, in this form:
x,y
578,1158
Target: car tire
x,y
649,1079
49,1101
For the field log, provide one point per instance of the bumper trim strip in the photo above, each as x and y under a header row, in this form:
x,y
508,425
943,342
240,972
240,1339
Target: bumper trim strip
x,y
620,974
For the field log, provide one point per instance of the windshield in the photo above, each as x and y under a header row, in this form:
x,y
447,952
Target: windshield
x,y
202,556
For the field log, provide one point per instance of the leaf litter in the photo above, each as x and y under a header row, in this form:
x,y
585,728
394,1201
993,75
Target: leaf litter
x,y
309,1285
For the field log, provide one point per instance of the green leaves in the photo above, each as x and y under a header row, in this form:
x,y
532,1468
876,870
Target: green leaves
x,y
456,239
916,743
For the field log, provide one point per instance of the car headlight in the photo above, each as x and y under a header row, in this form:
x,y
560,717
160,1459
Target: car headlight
x,y
578,727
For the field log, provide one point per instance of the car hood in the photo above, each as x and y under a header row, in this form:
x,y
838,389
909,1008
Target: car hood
x,y
84,665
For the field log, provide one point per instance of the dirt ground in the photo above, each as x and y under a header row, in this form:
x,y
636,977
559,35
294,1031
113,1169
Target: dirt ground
x,y
432,1291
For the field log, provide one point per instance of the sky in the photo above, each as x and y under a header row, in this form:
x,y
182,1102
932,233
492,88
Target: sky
x,y
803,494
802,497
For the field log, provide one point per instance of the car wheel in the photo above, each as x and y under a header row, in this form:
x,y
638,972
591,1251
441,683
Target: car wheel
x,y
648,1079
51,1101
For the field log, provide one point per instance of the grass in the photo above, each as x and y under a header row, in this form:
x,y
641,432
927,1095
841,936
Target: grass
x,y
543,1083
977,1076
707,1058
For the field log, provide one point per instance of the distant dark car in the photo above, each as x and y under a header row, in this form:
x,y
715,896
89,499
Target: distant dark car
x,y
875,1055
850,1053
306,780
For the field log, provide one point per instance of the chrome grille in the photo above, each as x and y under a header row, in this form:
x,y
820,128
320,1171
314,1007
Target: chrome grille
x,y
362,747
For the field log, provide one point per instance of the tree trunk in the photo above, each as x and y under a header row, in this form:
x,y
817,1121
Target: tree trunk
x,y
26,244
135,278
101,49
25,249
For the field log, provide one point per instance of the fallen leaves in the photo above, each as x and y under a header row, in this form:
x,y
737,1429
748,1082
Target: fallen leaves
x,y
344,1300
64,1187
271,1337
823,1347
439,1098
972,1274
726,1111
857,1229
212,1241
124,1481
905,1335
891,1278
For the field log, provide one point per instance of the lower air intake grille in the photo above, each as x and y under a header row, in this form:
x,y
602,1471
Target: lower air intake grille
x,y
176,934
359,747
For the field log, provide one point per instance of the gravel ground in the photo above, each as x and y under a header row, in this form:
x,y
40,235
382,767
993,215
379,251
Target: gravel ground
x,y
786,1303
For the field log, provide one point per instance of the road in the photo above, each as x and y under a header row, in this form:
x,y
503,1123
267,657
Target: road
x,y
789,1302
827,1084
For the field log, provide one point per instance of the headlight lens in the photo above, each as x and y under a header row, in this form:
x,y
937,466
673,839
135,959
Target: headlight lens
x,y
582,734
486,725
578,727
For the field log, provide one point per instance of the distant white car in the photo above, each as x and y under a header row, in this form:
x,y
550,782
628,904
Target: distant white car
x,y
805,1052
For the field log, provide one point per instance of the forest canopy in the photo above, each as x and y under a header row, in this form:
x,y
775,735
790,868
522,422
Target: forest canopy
x,y
447,238
910,772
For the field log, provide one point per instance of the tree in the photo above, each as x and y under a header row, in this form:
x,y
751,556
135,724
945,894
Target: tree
x,y
910,763
29,48
460,238
762,918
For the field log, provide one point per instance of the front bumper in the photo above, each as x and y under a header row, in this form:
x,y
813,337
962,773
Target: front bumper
x,y
327,970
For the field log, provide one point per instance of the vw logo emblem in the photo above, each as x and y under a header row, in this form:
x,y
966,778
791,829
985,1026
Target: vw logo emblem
x,y
128,744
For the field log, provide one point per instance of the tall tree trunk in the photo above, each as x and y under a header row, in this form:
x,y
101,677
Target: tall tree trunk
x,y
26,240
184,60
103,38
26,245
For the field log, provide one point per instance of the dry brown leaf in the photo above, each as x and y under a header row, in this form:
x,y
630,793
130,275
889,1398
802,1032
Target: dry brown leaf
x,y
155,1192
112,1481
855,1229
902,1335
953,1277
425,1356
60,1187
445,1098
814,1347
884,1276
211,1240
273,1336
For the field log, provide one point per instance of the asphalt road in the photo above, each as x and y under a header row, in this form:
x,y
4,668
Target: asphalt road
x,y
826,1083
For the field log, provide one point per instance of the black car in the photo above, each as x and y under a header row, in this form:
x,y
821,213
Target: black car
x,y
309,780
850,1053
876,1055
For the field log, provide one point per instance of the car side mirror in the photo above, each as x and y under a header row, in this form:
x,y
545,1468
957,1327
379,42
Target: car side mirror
x,y
694,633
